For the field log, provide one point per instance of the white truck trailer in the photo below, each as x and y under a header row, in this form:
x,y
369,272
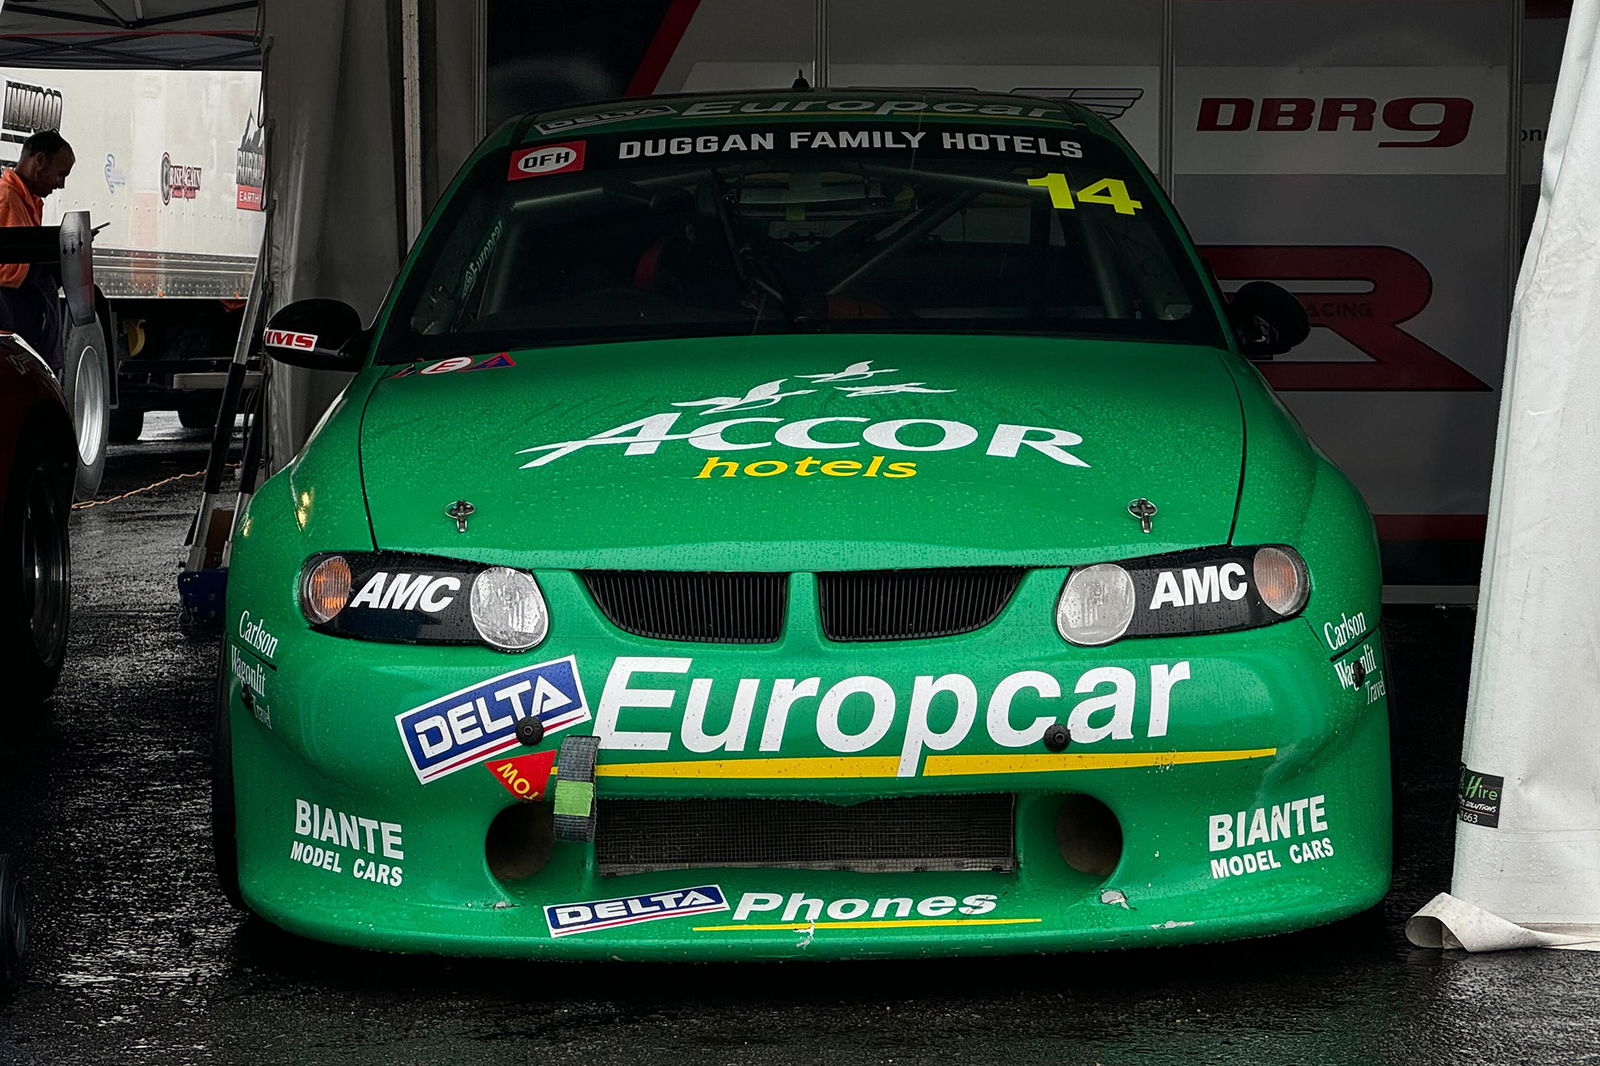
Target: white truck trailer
x,y
171,164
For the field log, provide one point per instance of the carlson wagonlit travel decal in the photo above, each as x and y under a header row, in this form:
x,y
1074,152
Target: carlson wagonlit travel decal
x,y
857,381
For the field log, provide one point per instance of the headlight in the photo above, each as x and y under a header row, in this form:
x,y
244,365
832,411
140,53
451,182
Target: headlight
x,y
1096,605
508,609
422,599
1209,590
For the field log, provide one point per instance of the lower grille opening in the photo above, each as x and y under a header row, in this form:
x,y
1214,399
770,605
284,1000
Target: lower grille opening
x,y
901,835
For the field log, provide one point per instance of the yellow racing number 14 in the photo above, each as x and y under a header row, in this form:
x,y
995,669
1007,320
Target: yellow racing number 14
x,y
1111,192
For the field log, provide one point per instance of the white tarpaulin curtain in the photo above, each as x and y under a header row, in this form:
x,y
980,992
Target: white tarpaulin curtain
x,y
1527,865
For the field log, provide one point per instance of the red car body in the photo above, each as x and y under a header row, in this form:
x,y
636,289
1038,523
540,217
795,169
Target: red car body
x,y
38,459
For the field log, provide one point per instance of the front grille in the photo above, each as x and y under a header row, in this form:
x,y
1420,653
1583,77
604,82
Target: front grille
x,y
901,835
709,607
910,604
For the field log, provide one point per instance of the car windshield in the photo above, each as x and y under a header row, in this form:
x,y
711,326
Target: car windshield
x,y
1033,230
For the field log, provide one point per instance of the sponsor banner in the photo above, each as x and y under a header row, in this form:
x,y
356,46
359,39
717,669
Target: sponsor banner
x,y
474,723
1340,120
568,919
1405,283
1478,798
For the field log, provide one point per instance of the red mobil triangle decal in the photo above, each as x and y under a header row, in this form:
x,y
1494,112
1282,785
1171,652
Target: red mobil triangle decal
x,y
494,362
524,776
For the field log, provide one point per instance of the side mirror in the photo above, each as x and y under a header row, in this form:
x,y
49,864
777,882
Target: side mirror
x,y
316,334
1267,320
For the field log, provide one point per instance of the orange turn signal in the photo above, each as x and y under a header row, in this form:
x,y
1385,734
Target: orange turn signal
x,y
1281,580
325,589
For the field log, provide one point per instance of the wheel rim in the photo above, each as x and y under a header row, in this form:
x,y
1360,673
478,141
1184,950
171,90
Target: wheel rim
x,y
44,567
89,404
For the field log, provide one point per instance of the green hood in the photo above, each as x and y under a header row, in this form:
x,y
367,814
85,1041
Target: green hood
x,y
941,451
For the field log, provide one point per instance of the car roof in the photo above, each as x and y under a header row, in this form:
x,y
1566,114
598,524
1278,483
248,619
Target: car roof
x,y
630,114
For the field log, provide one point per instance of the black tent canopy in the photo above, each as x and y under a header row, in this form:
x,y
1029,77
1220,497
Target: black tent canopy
x,y
176,34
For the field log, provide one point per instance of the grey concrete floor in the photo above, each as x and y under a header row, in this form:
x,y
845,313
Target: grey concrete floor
x,y
137,959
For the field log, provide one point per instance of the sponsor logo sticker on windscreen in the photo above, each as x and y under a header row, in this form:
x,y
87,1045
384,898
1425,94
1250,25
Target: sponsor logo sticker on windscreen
x,y
566,919
559,125
546,159
468,726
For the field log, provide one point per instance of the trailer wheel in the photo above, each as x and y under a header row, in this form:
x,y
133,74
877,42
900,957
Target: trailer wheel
x,y
87,385
13,922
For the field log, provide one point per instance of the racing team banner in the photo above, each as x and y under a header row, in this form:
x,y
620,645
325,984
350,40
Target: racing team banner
x,y
1357,152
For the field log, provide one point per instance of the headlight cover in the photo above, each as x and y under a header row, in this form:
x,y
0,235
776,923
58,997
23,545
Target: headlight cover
x,y
508,609
1096,605
1207,590
403,598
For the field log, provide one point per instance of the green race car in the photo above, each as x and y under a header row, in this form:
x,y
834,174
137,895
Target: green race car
x,y
802,524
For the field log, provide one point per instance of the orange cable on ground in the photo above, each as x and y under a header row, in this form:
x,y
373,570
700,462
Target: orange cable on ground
x,y
113,499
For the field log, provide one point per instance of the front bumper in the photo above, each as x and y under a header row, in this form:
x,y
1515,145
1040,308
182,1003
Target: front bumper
x,y
1248,775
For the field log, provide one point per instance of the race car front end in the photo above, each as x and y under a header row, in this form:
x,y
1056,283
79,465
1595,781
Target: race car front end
x,y
793,524
1152,744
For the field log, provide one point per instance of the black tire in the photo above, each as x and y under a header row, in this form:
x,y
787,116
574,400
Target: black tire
x,y
198,415
86,382
125,426
36,582
224,841
13,923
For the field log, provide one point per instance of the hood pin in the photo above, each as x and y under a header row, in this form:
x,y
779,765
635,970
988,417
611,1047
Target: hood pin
x,y
1142,509
461,510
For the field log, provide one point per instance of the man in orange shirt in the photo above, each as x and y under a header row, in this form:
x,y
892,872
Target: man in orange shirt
x,y
29,303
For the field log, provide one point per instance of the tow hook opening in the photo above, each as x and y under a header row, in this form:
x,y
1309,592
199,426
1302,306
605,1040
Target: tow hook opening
x,y
519,841
1088,835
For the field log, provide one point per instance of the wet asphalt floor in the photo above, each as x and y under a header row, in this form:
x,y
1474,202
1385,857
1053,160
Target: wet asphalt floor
x,y
136,958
